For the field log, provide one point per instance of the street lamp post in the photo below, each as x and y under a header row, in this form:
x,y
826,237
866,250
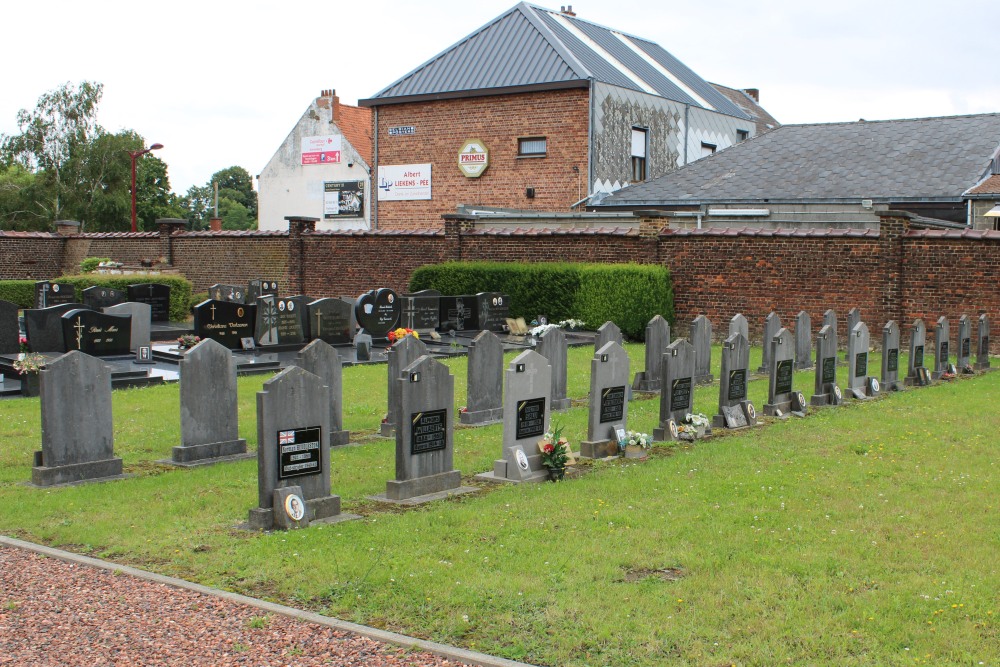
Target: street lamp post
x,y
135,155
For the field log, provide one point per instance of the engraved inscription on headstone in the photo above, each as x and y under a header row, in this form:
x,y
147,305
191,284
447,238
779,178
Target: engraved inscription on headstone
x,y
299,452
829,370
429,431
612,404
737,384
530,418
783,376
861,364
154,294
680,394
892,360
918,356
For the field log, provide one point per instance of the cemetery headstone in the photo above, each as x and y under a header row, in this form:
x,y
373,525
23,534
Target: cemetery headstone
x,y
657,339
77,434
942,340
231,293
424,440
890,357
739,325
781,395
772,324
299,304
209,418
456,313
608,401
677,390
320,359
484,401
97,334
293,414
492,309
48,294
156,295
363,347
330,320
983,344
258,288
853,317
141,323
525,419
552,346
421,310
43,327
100,298
916,373
826,392
701,340
735,408
10,332
803,341
378,311
964,352
402,353
830,320
860,384
226,322
607,333
280,321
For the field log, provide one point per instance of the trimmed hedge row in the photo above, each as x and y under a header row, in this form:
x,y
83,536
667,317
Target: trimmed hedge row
x,y
627,294
22,292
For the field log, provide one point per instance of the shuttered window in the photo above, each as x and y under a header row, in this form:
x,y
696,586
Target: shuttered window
x,y
532,146
639,140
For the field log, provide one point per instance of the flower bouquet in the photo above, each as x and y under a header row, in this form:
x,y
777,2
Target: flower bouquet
x,y
401,333
693,426
555,452
188,341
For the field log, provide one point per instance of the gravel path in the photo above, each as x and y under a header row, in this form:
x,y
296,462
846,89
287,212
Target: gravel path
x,y
58,613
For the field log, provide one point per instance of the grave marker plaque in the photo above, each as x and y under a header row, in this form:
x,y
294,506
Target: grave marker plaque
x,y
300,452
154,294
429,431
608,401
530,418
225,322
97,334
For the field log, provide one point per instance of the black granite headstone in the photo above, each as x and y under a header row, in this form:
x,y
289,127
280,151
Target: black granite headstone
x,y
10,332
48,294
492,309
783,377
330,320
154,294
259,288
378,311
458,314
280,321
232,293
98,298
43,327
421,310
530,418
224,322
680,394
612,404
97,334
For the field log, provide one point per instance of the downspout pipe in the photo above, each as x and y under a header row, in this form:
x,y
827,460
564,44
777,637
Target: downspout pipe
x,y
372,177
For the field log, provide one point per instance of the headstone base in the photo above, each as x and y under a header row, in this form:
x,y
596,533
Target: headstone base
x,y
428,497
819,400
480,417
777,409
387,430
598,449
319,510
732,417
185,455
91,471
644,386
704,379
560,404
499,474
340,438
421,486
982,367
804,366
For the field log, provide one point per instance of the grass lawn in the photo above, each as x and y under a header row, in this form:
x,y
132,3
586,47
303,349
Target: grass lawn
x,y
863,535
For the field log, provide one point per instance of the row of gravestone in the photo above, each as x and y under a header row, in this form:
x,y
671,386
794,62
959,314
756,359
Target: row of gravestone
x,y
155,295
117,330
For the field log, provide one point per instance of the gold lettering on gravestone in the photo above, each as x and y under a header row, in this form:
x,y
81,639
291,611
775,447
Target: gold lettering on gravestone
x,y
79,333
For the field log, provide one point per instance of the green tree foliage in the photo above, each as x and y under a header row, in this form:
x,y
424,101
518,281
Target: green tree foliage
x,y
237,200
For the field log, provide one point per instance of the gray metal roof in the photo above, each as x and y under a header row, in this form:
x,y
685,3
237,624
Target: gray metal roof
x,y
924,158
536,48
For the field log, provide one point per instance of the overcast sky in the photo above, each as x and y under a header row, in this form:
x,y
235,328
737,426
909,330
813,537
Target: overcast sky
x,y
222,83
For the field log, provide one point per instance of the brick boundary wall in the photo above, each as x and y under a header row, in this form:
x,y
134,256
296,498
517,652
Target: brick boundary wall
x,y
895,273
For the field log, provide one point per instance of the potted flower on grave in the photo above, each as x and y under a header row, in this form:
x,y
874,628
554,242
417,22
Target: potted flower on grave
x,y
635,445
571,324
401,333
28,366
187,341
555,452
22,343
693,426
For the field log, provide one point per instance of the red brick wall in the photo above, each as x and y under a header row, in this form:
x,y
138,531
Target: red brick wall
x,y
232,259
442,127
30,256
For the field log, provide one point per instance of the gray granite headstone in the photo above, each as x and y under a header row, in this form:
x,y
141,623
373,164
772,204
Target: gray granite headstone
x,y
552,346
739,325
608,401
735,409
402,353
330,320
657,339
701,340
964,350
677,392
942,351
525,419
830,320
983,344
293,415
424,440
10,332
853,317
484,388
99,298
890,357
320,359
77,428
607,333
281,321
96,333
916,372
781,395
826,391
209,416
363,347
860,384
772,323
43,327
141,315
803,341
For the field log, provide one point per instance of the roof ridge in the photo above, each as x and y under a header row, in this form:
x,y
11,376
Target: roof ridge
x,y
557,44
893,120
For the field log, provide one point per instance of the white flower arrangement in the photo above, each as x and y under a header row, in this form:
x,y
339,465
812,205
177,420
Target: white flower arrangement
x,y
572,324
696,419
635,438
542,328
565,324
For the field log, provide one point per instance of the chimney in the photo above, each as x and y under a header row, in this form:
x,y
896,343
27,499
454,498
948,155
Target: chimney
x,y
215,224
334,105
567,10
753,92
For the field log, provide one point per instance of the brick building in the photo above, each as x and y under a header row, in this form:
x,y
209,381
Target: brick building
x,y
540,110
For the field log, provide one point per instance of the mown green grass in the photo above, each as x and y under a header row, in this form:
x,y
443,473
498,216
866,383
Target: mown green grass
x,y
862,535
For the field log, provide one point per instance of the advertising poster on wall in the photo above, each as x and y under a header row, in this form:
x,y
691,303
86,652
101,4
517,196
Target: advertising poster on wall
x,y
343,199
321,150
404,182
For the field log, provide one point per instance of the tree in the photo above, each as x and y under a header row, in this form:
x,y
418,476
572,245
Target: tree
x,y
236,184
17,200
237,200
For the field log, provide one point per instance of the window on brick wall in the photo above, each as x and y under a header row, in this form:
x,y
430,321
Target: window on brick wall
x,y
640,138
532,147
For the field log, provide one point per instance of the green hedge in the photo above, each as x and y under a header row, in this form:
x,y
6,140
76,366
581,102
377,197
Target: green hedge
x,y
627,294
22,292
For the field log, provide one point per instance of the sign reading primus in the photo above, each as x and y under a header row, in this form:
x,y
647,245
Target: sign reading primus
x,y
299,452
473,158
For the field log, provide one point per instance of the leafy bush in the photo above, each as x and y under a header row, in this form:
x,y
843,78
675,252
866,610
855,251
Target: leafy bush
x,y
21,292
90,264
627,294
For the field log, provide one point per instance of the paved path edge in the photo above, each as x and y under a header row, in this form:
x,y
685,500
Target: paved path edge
x,y
443,650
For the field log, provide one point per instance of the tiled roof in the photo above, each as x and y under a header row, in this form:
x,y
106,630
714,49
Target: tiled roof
x,y
377,232
761,118
29,235
778,232
991,186
924,158
356,125
234,232
529,46
560,231
967,234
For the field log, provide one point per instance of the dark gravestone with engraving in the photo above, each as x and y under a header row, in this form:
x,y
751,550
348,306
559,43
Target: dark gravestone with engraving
x,y
803,341
43,327
280,321
607,333
320,359
484,395
231,293
258,288
853,317
299,305
781,395
964,352
916,373
826,391
100,298
735,410
378,311
772,323
552,346
525,419
657,339
677,389
10,332
983,344
402,353
890,357
156,295
457,313
739,325
48,294
330,320
97,334
77,427
701,340
421,310
492,310
942,341
860,384
226,322
608,401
